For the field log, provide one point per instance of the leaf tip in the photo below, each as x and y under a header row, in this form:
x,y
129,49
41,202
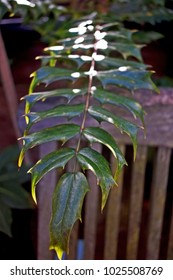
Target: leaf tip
x,y
33,193
58,251
21,157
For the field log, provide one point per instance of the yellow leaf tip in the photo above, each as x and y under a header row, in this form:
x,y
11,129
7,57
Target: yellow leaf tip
x,y
58,251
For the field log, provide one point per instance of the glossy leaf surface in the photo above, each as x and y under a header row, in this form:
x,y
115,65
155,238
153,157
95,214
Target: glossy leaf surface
x,y
107,97
60,132
68,111
53,160
67,93
66,209
96,134
94,161
102,114
130,80
49,75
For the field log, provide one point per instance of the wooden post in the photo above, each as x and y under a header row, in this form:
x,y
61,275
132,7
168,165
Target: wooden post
x,y
157,205
136,198
113,216
8,86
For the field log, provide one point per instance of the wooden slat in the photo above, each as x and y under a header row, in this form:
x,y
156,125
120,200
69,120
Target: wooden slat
x,y
8,86
10,93
113,217
45,191
136,198
157,204
90,219
170,244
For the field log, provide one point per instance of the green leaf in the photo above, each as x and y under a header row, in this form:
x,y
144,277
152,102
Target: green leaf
x,y
15,196
107,97
10,175
60,132
68,93
107,26
5,219
129,128
126,49
118,62
49,75
97,134
9,154
53,160
94,161
70,59
3,9
146,37
129,79
124,34
66,209
69,111
67,44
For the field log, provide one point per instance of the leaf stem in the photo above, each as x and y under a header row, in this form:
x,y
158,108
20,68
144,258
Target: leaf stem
x,y
90,83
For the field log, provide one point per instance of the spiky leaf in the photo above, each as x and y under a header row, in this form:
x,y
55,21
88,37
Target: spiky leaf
x,y
107,97
102,114
69,59
94,161
66,209
128,79
126,49
69,111
68,93
60,132
49,75
53,160
118,62
97,134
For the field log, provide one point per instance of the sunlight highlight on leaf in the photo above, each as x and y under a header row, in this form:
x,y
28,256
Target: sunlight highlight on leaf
x,y
75,75
99,35
55,48
102,44
25,2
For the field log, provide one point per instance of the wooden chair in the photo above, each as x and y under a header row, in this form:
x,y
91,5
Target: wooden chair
x,y
137,222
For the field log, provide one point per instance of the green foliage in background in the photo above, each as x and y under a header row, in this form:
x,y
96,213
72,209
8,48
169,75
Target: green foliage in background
x,y
142,11
12,193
